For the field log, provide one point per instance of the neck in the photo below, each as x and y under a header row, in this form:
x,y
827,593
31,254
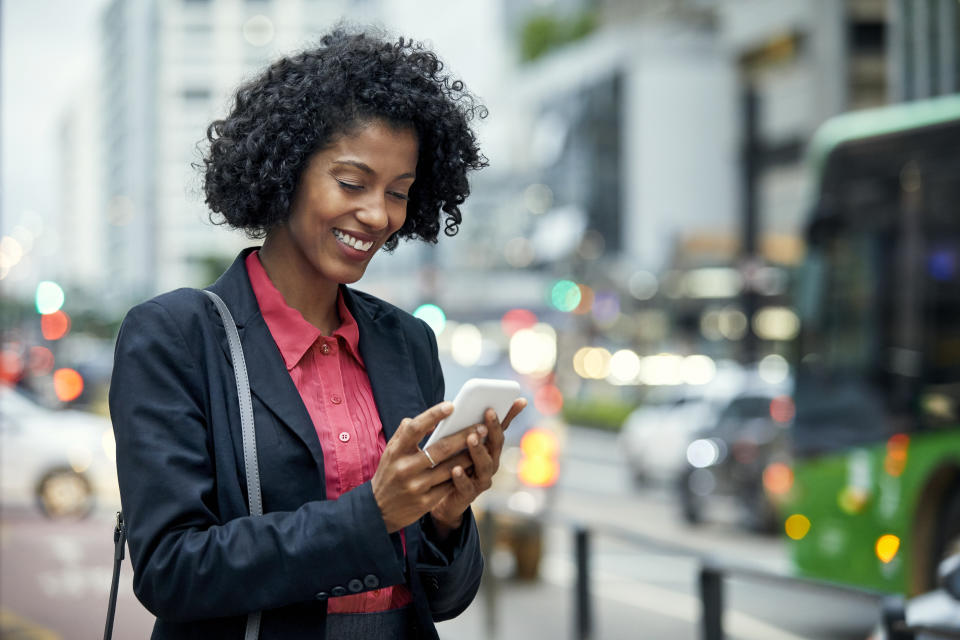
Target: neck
x,y
299,284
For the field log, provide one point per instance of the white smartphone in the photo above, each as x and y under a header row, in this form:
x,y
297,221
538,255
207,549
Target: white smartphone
x,y
474,398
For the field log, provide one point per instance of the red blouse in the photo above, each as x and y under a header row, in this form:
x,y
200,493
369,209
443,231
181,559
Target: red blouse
x,y
332,380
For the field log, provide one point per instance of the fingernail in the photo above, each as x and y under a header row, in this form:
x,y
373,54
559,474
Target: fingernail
x,y
473,440
457,471
446,407
481,431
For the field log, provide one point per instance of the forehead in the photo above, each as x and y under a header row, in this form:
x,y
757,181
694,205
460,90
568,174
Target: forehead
x,y
376,144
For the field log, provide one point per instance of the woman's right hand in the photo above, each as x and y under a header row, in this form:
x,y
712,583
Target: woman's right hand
x,y
405,486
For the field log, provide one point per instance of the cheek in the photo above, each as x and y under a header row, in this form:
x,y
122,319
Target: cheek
x,y
397,218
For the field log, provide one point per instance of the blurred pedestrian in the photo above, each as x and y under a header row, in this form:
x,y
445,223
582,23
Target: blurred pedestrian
x,y
329,155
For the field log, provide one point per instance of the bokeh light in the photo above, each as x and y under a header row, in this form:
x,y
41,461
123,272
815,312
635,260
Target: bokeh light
x,y
533,351
433,316
777,478
896,459
548,400
624,366
538,198
642,285
596,363
11,366
516,319
466,345
586,300
11,252
54,325
258,30
41,361
887,547
773,369
49,297
565,295
698,369
776,323
782,409
797,526
606,307
67,384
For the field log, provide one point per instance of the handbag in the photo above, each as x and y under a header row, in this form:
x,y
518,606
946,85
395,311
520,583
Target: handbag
x,y
249,462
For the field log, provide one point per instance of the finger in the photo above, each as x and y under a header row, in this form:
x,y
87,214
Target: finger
x,y
433,497
518,405
482,460
412,431
442,473
450,445
463,483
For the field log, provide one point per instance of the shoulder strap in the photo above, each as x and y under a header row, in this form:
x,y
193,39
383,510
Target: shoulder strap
x,y
246,424
249,461
246,406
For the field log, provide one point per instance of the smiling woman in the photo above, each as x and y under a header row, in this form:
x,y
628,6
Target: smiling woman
x,y
329,156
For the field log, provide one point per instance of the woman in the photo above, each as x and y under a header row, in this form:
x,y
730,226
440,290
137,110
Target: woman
x,y
330,155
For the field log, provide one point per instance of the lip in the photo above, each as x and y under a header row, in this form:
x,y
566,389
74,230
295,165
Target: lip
x,y
356,254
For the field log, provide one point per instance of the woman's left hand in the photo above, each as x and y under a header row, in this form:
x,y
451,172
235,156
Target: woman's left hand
x,y
485,455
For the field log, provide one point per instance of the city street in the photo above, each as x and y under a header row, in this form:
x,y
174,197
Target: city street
x,y
56,575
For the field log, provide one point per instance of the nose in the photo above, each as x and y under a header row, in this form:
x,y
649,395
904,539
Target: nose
x,y
374,213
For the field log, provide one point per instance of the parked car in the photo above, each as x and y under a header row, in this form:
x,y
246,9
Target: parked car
x,y
523,488
655,436
61,460
728,461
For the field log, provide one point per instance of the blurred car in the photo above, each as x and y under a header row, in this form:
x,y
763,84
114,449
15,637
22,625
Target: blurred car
x,y
730,460
523,488
62,460
655,436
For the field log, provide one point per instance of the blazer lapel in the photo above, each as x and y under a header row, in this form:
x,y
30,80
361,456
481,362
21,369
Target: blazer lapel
x,y
269,379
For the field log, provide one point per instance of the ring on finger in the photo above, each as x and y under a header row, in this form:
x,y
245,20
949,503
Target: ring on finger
x,y
427,453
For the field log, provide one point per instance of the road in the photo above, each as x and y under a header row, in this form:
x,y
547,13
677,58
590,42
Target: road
x,y
55,575
639,592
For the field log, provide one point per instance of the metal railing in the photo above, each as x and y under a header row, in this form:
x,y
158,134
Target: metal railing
x,y
713,573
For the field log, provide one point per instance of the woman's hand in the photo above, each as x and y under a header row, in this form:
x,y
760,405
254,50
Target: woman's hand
x,y
485,458
405,485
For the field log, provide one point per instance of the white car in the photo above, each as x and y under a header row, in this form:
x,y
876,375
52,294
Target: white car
x,y
62,460
655,436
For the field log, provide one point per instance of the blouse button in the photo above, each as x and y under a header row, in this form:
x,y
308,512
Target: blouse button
x,y
336,399
344,436
325,349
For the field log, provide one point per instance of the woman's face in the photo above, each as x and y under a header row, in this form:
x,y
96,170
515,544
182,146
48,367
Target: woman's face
x,y
352,196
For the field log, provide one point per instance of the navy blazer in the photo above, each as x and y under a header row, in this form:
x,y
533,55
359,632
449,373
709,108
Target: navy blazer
x,y
201,563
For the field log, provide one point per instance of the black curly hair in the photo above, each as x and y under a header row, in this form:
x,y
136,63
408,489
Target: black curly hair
x,y
303,103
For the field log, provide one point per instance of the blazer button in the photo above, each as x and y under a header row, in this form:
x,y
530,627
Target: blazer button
x,y
338,591
371,581
355,585
322,595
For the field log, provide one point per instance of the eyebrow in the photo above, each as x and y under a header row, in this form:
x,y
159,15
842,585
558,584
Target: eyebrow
x,y
366,168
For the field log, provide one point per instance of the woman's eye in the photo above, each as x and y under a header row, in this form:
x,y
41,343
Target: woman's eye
x,y
399,196
350,186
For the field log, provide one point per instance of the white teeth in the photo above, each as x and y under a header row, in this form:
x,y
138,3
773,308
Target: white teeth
x,y
351,241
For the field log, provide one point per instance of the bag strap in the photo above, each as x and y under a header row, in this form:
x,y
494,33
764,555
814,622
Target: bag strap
x,y
246,406
250,464
119,538
249,435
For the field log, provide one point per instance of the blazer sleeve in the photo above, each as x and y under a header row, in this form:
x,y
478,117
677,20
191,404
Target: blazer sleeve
x,y
451,571
188,562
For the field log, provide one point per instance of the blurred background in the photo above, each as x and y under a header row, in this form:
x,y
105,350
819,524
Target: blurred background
x,y
717,243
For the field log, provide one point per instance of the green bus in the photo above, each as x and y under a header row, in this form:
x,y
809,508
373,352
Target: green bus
x,y
875,443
